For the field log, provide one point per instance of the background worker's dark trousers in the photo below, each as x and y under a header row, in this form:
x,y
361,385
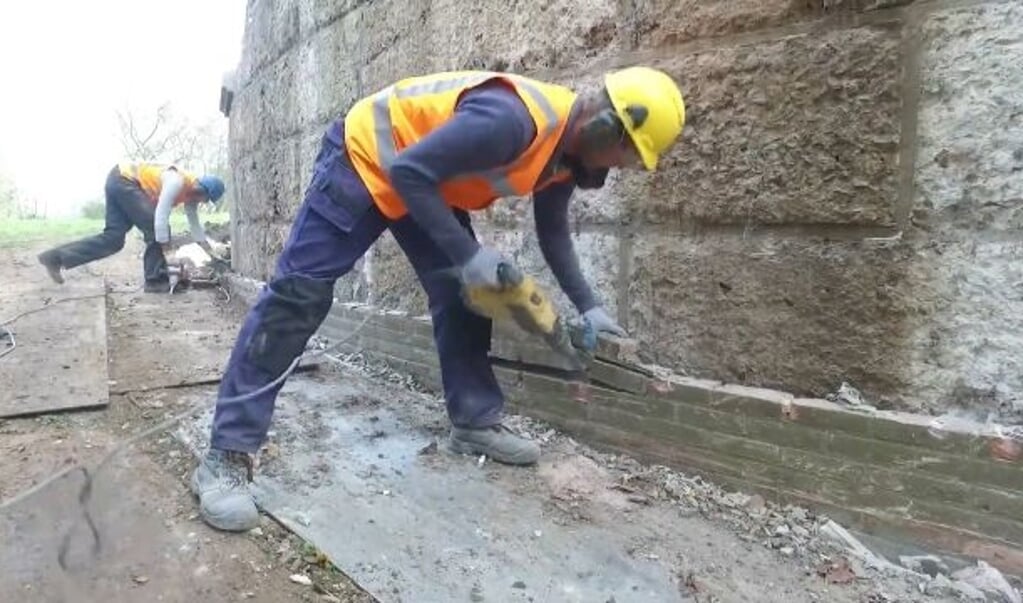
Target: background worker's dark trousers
x,y
126,205
329,235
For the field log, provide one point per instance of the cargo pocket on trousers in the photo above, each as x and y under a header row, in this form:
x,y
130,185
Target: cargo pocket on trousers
x,y
330,194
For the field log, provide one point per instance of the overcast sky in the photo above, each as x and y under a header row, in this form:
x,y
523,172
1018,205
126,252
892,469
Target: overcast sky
x,y
67,65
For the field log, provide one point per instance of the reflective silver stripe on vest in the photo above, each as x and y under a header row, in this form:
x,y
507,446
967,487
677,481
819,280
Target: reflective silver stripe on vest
x,y
542,102
383,128
438,86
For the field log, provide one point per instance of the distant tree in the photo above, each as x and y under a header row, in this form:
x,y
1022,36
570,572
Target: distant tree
x,y
8,198
95,209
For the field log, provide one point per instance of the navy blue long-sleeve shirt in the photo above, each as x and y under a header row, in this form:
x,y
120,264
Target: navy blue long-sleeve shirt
x,y
491,126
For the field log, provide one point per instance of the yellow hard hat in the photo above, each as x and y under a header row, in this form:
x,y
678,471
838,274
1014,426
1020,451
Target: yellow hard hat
x,y
651,108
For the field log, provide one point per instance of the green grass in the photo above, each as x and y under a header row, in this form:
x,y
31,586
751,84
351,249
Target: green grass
x,y
19,233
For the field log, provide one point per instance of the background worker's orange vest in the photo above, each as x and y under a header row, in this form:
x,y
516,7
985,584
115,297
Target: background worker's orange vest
x,y
147,175
378,127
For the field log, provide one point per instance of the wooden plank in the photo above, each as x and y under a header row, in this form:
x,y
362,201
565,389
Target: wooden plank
x,y
60,360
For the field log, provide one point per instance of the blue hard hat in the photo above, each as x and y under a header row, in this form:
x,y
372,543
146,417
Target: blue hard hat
x,y
214,187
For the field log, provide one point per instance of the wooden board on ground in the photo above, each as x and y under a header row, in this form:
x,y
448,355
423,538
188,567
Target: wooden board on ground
x,y
169,340
60,359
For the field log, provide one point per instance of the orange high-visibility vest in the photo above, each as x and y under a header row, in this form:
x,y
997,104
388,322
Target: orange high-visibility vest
x,y
378,127
147,176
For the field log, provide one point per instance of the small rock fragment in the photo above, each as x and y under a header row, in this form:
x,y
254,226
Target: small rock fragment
x,y
942,586
140,579
924,564
756,504
476,594
300,579
837,573
519,584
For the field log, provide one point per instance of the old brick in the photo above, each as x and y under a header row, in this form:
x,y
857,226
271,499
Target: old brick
x,y
535,392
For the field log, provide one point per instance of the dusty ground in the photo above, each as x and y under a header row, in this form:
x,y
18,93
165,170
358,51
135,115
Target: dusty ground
x,y
154,547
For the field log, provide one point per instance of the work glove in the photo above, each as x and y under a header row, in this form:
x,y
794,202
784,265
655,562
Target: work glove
x,y
481,269
600,321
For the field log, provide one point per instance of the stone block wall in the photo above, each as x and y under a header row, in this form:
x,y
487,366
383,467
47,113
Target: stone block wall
x,y
845,204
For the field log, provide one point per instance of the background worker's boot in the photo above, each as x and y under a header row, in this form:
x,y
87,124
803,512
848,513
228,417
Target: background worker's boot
x,y
498,442
157,287
221,481
51,260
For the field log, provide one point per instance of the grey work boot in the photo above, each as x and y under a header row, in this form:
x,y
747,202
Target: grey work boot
x,y
498,442
221,481
51,260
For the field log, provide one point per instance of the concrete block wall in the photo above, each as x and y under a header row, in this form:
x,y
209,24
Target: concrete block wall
x,y
845,204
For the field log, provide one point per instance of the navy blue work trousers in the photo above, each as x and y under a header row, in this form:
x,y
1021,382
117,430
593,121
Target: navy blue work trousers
x,y
335,226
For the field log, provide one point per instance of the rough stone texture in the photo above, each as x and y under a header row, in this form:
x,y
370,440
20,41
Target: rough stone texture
x,y
314,15
604,206
393,283
969,202
967,354
970,150
670,22
326,80
799,130
772,312
524,36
